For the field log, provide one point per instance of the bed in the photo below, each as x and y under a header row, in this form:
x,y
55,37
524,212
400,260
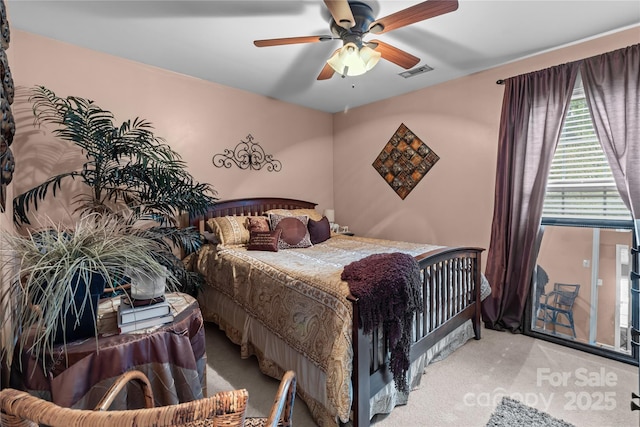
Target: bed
x,y
292,310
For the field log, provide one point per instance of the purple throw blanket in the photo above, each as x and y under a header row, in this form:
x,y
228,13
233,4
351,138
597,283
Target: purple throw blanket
x,y
388,290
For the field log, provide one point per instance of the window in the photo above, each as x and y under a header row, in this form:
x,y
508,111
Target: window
x,y
580,183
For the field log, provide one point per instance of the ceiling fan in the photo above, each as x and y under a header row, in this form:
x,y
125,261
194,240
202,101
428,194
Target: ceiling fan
x,y
351,21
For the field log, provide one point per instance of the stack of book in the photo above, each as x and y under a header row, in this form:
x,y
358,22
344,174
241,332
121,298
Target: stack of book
x,y
134,314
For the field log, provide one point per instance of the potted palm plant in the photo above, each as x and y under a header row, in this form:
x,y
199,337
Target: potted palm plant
x,y
129,173
59,275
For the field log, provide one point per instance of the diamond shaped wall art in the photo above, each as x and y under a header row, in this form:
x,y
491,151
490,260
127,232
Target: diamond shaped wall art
x,y
404,161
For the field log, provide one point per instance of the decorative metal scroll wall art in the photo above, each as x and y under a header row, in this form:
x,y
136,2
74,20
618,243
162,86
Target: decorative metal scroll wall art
x,y
404,161
247,155
7,123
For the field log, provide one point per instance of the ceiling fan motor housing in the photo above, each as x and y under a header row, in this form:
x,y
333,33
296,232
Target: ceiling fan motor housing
x,y
363,15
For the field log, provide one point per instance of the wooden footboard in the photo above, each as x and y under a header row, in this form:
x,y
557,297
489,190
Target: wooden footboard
x,y
451,295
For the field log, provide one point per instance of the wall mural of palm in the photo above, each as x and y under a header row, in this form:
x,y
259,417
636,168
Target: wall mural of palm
x,y
129,172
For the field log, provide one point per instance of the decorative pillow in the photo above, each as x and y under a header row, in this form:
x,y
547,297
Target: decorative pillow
x,y
264,241
230,230
295,233
311,213
319,231
258,223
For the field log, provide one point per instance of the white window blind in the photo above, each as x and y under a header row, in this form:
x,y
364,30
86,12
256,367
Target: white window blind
x,y
580,183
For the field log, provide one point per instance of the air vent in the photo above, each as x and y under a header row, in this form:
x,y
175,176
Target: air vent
x,y
420,70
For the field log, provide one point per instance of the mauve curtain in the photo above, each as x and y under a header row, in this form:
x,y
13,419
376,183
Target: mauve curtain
x,y
533,110
612,86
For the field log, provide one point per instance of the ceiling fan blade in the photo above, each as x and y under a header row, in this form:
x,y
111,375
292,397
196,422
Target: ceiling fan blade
x,y
393,54
327,71
291,40
419,12
341,13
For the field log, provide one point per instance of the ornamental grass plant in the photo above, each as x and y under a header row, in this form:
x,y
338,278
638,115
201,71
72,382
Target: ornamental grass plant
x,y
52,266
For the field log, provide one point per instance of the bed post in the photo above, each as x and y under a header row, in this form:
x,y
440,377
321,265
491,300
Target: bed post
x,y
360,371
477,279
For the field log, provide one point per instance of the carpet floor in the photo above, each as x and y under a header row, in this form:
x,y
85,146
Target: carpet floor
x,y
467,387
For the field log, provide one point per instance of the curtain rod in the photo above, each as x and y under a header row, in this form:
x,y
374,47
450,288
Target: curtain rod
x,y
501,81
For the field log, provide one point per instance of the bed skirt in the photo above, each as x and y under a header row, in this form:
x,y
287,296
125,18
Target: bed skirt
x,y
275,357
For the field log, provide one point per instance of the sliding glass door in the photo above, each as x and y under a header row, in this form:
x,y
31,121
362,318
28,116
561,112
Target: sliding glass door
x,y
581,291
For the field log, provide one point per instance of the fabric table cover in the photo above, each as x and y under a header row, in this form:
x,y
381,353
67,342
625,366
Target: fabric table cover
x,y
172,356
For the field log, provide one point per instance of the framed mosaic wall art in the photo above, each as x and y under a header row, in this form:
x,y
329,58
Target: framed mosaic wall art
x,y
404,161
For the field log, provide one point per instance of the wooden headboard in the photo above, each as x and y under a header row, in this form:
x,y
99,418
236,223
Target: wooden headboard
x,y
250,206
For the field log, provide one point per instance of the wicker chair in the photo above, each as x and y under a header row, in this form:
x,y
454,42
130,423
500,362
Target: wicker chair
x,y
223,409
282,409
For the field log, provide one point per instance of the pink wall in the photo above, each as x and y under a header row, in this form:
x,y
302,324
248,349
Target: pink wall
x,y
197,118
453,204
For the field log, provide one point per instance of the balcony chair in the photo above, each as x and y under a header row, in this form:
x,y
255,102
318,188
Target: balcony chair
x,y
558,304
542,278
225,408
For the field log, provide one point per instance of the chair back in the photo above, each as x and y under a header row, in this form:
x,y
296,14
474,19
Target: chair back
x,y
282,409
281,414
227,408
565,294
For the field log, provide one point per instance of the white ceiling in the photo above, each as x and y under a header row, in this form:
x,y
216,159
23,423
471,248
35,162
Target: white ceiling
x,y
213,40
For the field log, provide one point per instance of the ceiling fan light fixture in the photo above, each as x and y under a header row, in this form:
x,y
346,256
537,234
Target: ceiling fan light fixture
x,y
344,57
351,61
369,57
